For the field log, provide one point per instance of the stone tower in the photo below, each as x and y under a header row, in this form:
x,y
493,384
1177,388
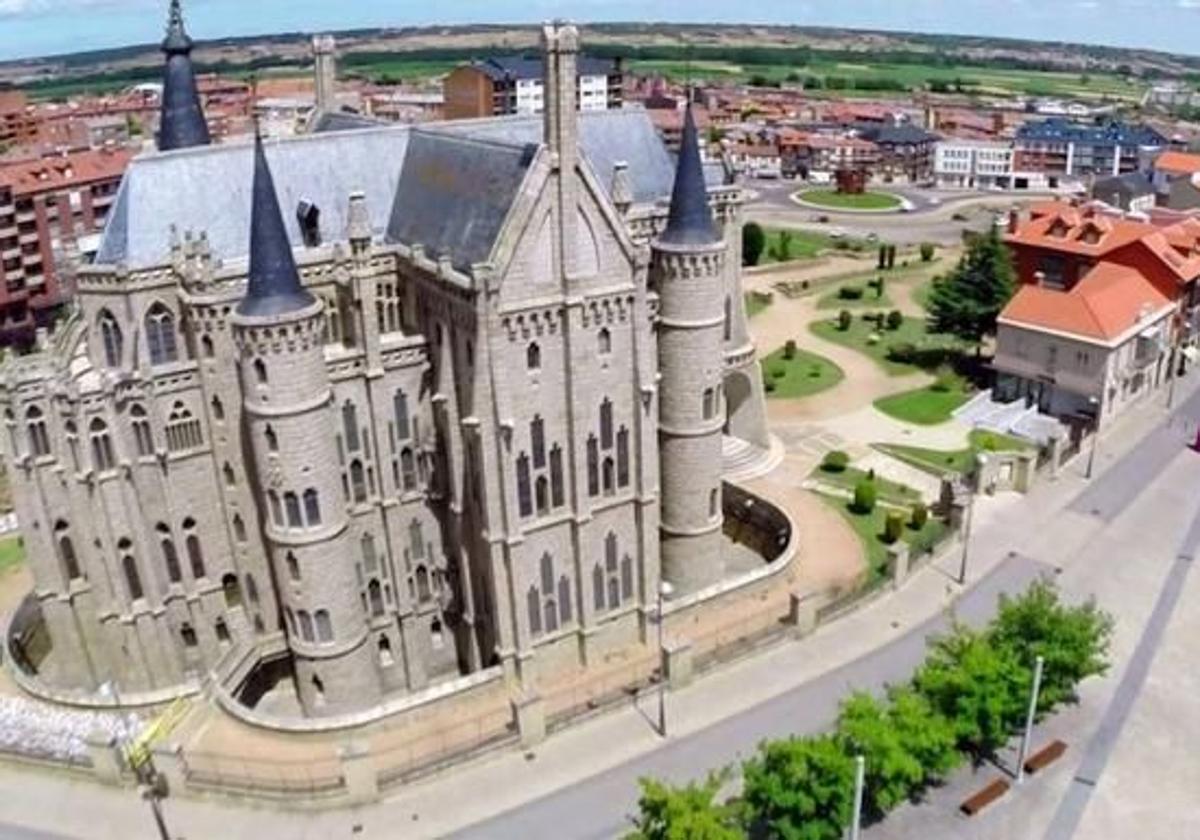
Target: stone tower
x,y
688,272
325,67
182,122
288,408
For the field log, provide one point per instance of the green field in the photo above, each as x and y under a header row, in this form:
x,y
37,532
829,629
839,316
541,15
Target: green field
x,y
835,200
840,78
392,71
863,337
960,461
802,375
930,405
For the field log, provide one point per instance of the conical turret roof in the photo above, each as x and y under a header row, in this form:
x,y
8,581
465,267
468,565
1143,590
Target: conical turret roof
x,y
274,284
182,122
690,221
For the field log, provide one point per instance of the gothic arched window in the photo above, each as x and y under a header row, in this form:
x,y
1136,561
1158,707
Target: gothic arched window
x,y
160,335
110,338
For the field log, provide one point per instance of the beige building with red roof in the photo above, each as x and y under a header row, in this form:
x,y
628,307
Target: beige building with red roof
x,y
1105,304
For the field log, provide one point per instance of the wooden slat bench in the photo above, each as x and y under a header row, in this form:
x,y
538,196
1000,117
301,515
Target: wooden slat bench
x,y
984,797
1045,756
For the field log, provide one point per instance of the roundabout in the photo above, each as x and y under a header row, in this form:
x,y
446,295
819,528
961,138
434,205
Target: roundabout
x,y
838,202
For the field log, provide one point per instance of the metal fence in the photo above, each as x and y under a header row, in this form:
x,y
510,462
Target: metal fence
x,y
242,774
411,758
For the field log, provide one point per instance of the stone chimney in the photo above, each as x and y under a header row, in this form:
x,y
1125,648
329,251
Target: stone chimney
x,y
622,190
325,69
560,47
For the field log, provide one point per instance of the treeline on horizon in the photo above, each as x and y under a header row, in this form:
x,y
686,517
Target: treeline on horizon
x,y
747,56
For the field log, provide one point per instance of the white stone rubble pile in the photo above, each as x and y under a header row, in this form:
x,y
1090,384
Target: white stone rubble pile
x,y
44,730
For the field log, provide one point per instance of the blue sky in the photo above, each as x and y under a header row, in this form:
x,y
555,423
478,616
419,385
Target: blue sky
x,y
40,27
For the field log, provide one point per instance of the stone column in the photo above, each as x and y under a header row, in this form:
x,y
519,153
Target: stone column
x,y
530,712
802,615
362,782
105,755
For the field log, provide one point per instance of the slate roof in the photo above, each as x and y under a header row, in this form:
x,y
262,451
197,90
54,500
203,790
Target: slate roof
x,y
208,189
605,138
1132,184
895,134
274,284
690,220
182,122
455,193
520,67
1107,134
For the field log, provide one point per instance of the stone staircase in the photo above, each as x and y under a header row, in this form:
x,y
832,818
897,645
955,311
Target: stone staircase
x,y
743,461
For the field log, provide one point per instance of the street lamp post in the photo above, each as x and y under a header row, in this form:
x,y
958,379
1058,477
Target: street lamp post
x,y
664,592
1094,402
860,765
151,785
970,515
1027,736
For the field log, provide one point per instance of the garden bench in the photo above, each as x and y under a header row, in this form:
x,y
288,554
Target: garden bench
x,y
984,797
1046,755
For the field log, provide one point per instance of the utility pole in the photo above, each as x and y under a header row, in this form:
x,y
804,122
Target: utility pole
x,y
1027,736
664,590
860,766
1095,404
962,568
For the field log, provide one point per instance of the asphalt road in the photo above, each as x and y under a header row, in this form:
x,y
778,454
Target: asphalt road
x,y
600,806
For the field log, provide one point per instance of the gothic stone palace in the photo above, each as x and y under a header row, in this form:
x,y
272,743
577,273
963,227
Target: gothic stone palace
x,y
386,404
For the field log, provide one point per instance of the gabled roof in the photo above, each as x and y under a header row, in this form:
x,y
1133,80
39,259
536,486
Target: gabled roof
x,y
1177,163
455,193
1105,304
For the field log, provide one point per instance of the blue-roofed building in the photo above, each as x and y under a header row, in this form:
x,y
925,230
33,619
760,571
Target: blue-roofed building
x,y
1061,148
515,85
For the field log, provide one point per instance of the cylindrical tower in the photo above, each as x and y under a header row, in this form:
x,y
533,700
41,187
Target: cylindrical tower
x,y
291,432
688,266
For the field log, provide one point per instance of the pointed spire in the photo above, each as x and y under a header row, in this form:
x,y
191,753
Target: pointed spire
x,y
274,287
182,123
690,221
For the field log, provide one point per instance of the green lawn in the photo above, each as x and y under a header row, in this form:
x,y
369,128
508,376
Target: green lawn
x,y
755,303
790,244
869,528
863,337
12,553
961,461
889,491
930,405
803,375
921,294
850,201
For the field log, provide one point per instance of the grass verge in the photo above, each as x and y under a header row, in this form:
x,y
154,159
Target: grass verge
x,y
802,375
930,349
961,461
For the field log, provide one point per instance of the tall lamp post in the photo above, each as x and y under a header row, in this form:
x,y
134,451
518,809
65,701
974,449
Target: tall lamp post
x,y
860,766
664,591
1094,403
967,521
1027,736
151,785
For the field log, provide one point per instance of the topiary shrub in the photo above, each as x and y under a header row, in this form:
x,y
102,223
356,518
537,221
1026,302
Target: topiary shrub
x,y
835,461
789,349
850,293
904,352
865,496
920,515
768,384
927,251
893,527
778,372
895,319
845,319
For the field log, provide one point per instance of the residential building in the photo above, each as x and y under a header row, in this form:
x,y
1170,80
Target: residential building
x,y
805,154
1062,149
371,412
1133,192
905,151
1176,177
49,207
973,164
18,124
515,85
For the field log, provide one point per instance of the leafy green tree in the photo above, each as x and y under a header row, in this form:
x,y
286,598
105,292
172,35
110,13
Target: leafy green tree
x,y
782,249
925,734
799,789
966,301
684,813
753,243
927,251
845,319
1073,639
892,772
982,688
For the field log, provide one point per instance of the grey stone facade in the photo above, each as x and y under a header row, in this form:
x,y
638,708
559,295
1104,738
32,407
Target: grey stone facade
x,y
458,455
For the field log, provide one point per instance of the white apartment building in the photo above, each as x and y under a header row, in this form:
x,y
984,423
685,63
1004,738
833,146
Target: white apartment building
x,y
980,164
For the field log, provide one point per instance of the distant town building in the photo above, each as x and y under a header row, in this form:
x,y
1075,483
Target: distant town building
x,y
48,207
515,85
1061,148
18,125
803,154
1176,177
980,165
905,151
1132,192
